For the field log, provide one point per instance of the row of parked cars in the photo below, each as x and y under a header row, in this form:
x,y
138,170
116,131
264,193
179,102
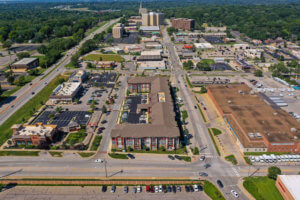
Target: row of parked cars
x,y
156,188
275,158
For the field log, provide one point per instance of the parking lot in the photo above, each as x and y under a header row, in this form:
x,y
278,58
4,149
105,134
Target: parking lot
x,y
105,79
92,192
130,113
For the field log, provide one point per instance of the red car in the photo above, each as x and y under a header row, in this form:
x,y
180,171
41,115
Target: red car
x,y
147,188
152,189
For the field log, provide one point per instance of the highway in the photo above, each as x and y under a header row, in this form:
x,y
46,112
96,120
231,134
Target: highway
x,y
23,95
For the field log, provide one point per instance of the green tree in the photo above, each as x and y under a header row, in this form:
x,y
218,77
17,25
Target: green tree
x,y
104,109
258,73
273,172
7,44
23,55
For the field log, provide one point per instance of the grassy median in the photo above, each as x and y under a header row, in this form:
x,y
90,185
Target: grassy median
x,y
96,142
104,57
27,110
216,131
19,153
212,191
118,156
231,159
214,142
56,153
86,154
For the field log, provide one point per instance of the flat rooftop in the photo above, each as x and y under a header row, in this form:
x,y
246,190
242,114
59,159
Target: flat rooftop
x,y
25,61
66,88
291,182
162,114
251,117
37,129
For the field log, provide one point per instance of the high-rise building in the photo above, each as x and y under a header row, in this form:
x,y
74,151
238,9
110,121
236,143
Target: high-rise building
x,y
152,19
118,30
183,23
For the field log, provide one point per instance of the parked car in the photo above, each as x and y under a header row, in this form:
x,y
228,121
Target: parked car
x,y
207,165
113,189
148,189
160,188
103,122
126,189
220,183
156,189
104,188
234,193
152,189
164,188
178,188
134,190
200,188
139,189
174,189
177,157
195,107
187,188
191,188
169,189
130,156
171,157
196,188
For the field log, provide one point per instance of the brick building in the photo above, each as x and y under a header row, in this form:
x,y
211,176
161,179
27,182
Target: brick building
x,y
256,126
38,134
288,186
25,64
162,131
183,23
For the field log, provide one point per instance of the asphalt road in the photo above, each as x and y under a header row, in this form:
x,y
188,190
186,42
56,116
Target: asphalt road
x,y
23,95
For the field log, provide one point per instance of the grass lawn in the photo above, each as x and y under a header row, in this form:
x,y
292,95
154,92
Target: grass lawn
x,y
105,57
177,151
231,158
214,142
96,143
212,191
77,137
184,115
19,153
8,93
56,153
195,151
262,188
70,66
26,111
86,154
216,131
188,81
118,156
186,158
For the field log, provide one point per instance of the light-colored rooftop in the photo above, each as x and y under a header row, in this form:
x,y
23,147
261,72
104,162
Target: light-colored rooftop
x,y
25,61
38,129
292,183
203,45
151,53
66,89
149,28
151,64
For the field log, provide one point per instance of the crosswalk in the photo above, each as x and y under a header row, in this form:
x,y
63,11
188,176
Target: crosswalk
x,y
235,171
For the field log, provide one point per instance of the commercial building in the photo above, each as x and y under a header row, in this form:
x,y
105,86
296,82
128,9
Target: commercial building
x,y
243,64
152,65
65,92
148,29
152,19
215,29
255,125
78,76
288,186
162,130
153,55
38,134
118,30
183,23
25,64
253,53
203,46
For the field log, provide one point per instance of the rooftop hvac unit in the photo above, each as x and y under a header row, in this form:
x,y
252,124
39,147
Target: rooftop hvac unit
x,y
293,130
229,101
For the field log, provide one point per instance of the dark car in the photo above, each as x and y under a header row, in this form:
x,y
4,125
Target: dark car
x,y
130,156
104,188
126,189
164,189
32,93
207,165
200,188
152,189
177,157
191,188
169,189
220,183
195,107
203,174
103,122
171,157
187,188
174,189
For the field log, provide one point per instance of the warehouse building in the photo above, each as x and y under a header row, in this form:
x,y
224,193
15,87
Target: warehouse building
x,y
25,64
288,186
255,125
163,131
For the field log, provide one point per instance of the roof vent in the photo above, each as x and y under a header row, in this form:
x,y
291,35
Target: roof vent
x,y
295,137
275,113
293,130
229,101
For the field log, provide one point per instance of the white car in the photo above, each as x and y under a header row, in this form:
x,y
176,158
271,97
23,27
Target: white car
x,y
160,188
234,193
99,161
139,189
156,189
196,188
